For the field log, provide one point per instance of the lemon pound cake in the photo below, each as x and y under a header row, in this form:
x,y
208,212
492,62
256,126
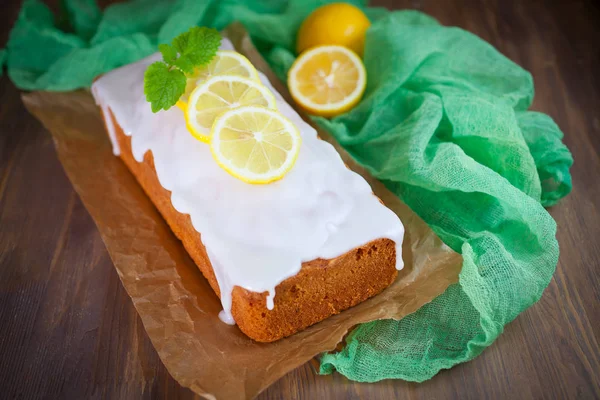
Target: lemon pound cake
x,y
281,256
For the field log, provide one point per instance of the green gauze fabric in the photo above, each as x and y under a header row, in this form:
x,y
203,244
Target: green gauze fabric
x,y
444,124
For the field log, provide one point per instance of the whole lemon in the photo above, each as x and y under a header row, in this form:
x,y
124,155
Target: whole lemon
x,y
334,24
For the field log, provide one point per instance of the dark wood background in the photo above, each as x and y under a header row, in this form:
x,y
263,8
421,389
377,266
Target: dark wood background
x,y
68,329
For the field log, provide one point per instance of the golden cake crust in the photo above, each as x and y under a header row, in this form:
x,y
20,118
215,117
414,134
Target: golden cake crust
x,y
322,287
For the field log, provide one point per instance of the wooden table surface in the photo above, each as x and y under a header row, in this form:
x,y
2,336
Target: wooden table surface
x,y
69,330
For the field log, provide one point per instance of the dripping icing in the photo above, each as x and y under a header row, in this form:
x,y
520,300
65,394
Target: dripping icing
x,y
226,317
320,209
110,127
270,298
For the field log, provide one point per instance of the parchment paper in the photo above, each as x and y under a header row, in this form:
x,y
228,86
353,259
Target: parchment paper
x,y
178,308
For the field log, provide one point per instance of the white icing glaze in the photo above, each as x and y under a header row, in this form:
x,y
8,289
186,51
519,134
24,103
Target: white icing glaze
x,y
271,299
226,317
256,236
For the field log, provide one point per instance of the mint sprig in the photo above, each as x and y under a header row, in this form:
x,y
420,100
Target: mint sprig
x,y
164,81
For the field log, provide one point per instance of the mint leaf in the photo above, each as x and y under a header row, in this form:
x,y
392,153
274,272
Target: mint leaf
x,y
168,52
196,47
164,82
163,86
184,64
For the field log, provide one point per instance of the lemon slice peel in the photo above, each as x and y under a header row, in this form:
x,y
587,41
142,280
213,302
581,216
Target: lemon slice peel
x,y
219,94
276,141
329,70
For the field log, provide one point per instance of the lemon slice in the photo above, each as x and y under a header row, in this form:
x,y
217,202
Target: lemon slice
x,y
225,62
327,80
219,94
255,144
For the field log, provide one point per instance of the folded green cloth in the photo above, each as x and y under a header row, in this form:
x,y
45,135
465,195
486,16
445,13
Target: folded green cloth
x,y
444,124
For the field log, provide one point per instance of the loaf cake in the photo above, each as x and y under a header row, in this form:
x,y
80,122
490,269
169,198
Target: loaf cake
x,y
281,256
